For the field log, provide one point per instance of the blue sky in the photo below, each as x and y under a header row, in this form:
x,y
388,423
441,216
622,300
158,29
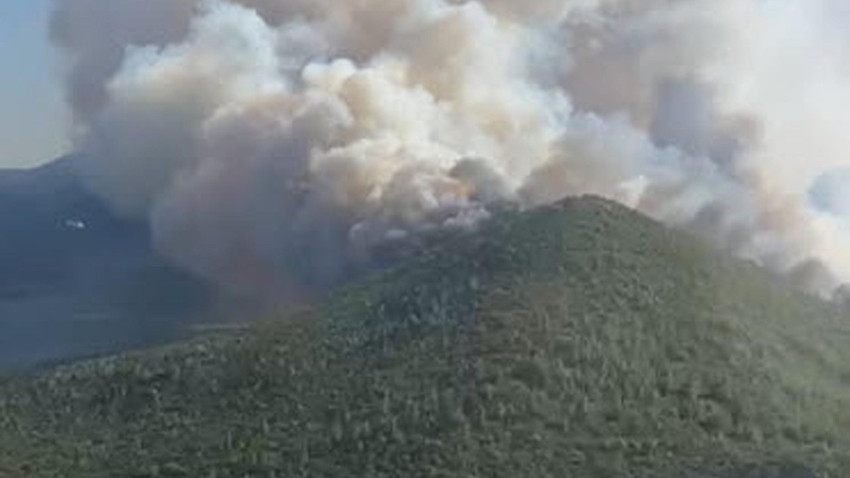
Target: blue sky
x,y
33,119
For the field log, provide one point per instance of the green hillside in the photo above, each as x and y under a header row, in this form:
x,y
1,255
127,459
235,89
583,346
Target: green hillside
x,y
578,340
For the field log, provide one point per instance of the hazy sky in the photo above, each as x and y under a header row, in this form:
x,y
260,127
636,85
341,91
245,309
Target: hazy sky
x,y
32,114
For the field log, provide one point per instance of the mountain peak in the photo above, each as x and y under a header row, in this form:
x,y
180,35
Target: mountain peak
x,y
579,339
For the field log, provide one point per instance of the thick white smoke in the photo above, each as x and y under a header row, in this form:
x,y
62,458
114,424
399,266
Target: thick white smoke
x,y
277,142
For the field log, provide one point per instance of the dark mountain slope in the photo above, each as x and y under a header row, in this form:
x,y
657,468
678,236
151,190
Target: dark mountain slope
x,y
74,279
577,340
47,221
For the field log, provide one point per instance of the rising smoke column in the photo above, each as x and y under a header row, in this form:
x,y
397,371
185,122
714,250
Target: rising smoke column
x,y
276,143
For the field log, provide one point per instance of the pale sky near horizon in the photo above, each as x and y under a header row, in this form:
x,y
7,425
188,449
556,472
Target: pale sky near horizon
x,y
33,116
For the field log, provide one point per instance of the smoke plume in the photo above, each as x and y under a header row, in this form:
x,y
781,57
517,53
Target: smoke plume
x,y
277,143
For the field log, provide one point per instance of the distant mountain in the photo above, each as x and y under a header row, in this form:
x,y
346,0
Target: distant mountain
x,y
49,224
577,340
75,279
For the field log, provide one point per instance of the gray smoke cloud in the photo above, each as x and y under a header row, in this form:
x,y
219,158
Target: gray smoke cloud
x,y
277,143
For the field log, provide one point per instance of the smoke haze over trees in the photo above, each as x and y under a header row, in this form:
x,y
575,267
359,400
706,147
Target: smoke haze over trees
x,y
273,144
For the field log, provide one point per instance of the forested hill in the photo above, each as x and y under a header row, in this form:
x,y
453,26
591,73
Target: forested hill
x,y
577,340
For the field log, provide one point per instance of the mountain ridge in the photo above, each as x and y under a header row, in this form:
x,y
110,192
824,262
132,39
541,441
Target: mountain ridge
x,y
579,339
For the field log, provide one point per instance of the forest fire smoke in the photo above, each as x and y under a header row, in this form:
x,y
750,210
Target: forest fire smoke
x,y
281,141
